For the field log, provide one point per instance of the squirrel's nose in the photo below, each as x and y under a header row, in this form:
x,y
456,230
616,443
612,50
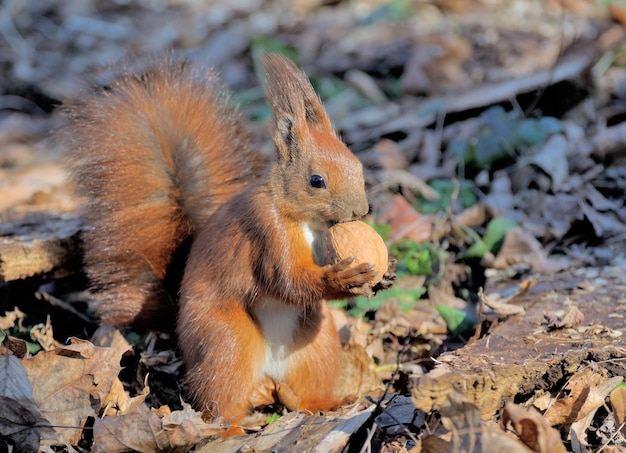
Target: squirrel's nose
x,y
362,209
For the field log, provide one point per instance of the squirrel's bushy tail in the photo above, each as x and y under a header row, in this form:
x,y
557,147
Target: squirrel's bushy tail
x,y
154,153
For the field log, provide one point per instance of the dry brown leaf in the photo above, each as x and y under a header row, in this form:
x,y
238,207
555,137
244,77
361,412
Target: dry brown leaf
x,y
578,432
574,317
118,401
186,427
20,418
440,297
438,62
12,318
142,430
618,403
476,215
360,332
583,398
467,432
18,425
110,337
366,85
578,429
386,155
500,196
14,382
434,444
42,333
496,440
504,309
69,383
405,221
462,419
532,429
552,159
13,346
602,222
521,247
358,376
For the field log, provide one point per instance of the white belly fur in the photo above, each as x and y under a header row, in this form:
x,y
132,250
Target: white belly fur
x,y
279,323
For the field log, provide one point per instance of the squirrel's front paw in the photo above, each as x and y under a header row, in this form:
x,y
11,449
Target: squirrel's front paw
x,y
389,277
351,279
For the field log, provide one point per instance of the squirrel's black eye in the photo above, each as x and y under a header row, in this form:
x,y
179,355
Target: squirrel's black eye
x,y
317,181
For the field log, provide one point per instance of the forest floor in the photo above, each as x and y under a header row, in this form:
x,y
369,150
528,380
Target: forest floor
x,y
493,136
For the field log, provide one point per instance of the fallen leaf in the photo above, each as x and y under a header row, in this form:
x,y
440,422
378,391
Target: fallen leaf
x,y
572,318
12,318
110,337
434,444
357,377
500,196
497,440
119,402
186,427
578,429
460,316
143,431
462,419
504,309
585,395
400,410
521,247
19,414
476,215
70,383
552,159
405,221
42,334
365,84
618,403
14,382
386,155
13,346
18,426
602,222
532,429
134,431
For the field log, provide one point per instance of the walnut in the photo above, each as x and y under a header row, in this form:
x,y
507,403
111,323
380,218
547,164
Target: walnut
x,y
357,239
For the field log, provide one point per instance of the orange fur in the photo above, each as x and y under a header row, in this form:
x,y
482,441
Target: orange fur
x,y
162,158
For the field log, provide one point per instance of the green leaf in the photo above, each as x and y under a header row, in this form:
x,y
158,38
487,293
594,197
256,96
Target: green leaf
x,y
492,239
533,131
382,230
406,299
446,188
476,250
458,321
272,418
415,258
496,230
33,348
461,149
496,136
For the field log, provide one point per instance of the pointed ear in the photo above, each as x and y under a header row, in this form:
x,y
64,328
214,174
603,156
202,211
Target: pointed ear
x,y
295,105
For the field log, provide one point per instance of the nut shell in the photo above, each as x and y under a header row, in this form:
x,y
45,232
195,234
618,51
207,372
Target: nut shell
x,y
357,239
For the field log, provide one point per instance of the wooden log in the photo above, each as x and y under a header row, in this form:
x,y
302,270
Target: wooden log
x,y
38,244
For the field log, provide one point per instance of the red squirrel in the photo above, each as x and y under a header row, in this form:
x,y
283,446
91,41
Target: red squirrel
x,y
162,158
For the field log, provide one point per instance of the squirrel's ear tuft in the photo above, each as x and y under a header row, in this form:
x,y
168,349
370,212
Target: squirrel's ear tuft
x,y
295,105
